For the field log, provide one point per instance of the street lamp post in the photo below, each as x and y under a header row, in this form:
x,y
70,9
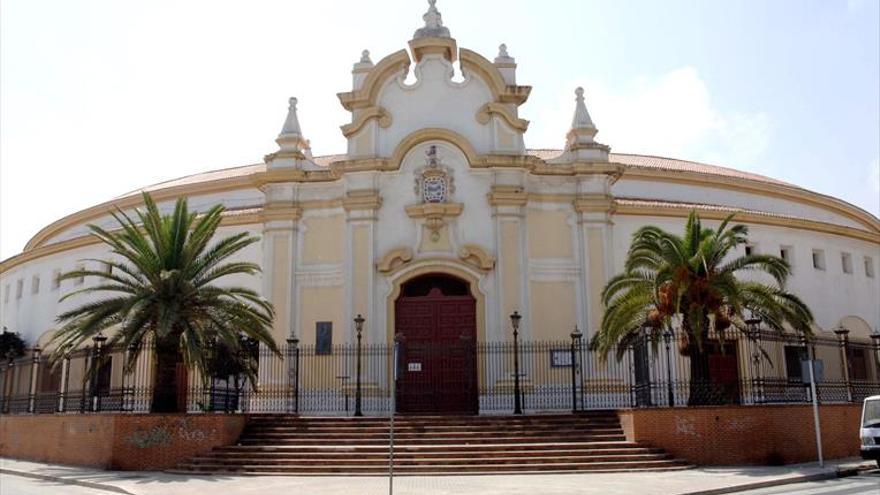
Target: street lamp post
x,y
517,400
293,357
754,325
359,328
576,336
843,337
96,365
575,350
667,337
875,337
35,373
10,378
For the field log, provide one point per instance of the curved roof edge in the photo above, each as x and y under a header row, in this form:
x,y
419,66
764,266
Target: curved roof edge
x,y
652,167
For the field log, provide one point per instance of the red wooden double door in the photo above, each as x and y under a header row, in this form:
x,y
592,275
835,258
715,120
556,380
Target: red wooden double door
x,y
435,320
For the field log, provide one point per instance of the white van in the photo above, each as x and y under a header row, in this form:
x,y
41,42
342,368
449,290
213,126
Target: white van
x,y
870,430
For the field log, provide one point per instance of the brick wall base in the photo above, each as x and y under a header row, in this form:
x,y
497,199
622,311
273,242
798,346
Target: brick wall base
x,y
116,441
738,435
728,435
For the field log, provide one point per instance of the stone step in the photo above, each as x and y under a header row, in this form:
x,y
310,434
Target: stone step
x,y
383,433
446,469
439,417
652,469
513,451
442,433
425,445
383,440
498,458
407,420
427,428
471,448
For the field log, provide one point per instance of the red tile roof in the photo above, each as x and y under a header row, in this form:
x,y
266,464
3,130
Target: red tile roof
x,y
630,160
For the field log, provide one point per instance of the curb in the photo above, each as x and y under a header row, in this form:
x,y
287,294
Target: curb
x,y
66,481
837,473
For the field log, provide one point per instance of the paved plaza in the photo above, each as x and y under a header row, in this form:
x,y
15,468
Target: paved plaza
x,y
74,480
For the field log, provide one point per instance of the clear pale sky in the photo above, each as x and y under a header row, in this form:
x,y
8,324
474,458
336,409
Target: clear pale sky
x,y
101,97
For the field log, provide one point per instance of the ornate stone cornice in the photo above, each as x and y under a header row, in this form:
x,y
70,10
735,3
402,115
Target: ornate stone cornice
x,y
508,196
429,45
272,212
395,64
477,257
363,199
501,91
430,210
367,114
485,112
594,203
394,259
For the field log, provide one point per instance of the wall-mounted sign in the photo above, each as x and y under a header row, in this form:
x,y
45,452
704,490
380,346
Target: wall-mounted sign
x,y
560,358
414,366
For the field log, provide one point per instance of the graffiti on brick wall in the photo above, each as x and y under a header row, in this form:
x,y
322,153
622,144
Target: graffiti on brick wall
x,y
163,434
142,439
191,433
685,426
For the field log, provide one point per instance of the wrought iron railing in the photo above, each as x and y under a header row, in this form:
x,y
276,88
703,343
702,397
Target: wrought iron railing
x,y
653,369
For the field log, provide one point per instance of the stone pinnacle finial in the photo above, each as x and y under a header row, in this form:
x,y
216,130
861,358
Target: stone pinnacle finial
x,y
365,57
581,119
291,138
503,57
291,123
433,24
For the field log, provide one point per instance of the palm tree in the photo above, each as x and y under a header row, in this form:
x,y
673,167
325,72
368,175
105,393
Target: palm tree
x,y
692,282
161,288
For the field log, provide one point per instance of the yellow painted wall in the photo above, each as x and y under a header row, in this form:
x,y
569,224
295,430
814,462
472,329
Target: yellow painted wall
x,y
322,240
280,296
510,266
362,265
549,234
321,304
553,310
596,267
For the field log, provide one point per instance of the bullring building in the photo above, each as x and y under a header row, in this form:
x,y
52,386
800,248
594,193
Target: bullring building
x,y
437,222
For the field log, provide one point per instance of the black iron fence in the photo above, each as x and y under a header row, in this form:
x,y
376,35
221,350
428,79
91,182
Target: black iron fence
x,y
654,369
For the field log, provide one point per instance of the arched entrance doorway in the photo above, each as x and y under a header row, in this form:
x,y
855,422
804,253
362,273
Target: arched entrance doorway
x,y
435,320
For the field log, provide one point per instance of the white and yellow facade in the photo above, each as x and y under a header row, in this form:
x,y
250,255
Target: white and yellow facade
x,y
534,231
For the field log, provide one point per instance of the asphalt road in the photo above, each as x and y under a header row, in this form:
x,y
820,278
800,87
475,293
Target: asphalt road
x,y
19,485
867,483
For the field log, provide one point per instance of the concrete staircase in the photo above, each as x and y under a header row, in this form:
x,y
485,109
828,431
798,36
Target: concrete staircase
x,y
432,445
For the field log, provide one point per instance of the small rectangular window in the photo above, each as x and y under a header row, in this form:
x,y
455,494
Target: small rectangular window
x,y
103,379
818,259
750,249
785,254
19,287
323,337
846,262
858,364
35,284
56,279
869,267
794,355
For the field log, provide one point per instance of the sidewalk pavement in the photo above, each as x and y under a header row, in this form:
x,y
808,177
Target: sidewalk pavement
x,y
699,481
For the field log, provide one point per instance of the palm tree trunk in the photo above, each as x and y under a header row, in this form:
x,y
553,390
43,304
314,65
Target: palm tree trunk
x,y
701,379
165,385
